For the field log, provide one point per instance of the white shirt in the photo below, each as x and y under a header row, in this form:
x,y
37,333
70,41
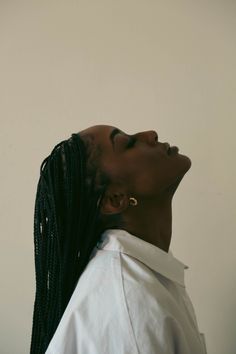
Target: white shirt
x,y
130,299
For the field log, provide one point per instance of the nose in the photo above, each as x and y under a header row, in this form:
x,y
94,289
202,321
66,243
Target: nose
x,y
149,136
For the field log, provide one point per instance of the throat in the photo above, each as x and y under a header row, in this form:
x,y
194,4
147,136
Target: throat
x,y
153,225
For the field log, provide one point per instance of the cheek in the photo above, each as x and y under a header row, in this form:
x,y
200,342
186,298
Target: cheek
x,y
144,175
146,178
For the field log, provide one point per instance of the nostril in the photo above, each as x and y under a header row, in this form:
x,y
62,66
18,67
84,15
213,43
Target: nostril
x,y
155,137
148,136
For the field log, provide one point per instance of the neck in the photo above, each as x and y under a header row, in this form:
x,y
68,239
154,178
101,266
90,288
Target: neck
x,y
153,224
152,220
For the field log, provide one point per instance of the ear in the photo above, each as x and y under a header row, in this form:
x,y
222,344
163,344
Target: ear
x,y
114,202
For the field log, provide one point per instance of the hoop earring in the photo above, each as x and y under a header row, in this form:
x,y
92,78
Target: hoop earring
x,y
98,202
133,201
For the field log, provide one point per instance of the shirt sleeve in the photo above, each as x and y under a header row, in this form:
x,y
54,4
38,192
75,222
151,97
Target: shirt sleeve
x,y
96,320
91,336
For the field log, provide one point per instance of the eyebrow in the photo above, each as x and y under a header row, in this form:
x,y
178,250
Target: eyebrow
x,y
113,134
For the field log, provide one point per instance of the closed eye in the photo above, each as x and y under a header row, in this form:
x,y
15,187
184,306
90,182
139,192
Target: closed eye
x,y
131,142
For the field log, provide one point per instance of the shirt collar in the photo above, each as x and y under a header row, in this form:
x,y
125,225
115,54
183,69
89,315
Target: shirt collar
x,y
154,257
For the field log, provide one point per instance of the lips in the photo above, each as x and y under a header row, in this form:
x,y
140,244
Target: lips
x,y
167,147
173,150
170,149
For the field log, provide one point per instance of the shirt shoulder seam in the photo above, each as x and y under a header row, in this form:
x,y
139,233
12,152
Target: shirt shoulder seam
x,y
125,303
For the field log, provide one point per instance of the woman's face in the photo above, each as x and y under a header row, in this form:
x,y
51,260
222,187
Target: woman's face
x,y
138,162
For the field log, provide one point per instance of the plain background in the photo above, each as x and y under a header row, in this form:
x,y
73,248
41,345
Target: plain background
x,y
138,65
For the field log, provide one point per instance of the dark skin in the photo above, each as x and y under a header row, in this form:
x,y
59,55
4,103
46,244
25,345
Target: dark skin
x,y
144,171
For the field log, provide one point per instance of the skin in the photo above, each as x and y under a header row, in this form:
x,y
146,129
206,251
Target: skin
x,y
144,171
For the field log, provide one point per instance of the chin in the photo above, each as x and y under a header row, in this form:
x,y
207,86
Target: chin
x,y
186,161
174,185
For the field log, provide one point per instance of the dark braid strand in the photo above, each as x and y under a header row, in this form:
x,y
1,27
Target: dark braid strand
x,y
65,225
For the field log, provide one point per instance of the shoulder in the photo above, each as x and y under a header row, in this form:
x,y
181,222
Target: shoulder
x,y
96,316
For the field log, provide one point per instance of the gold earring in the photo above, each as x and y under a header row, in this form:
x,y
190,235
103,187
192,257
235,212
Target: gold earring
x,y
133,201
98,202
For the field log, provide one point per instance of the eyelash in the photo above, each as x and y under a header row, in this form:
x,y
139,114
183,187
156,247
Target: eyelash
x,y
131,142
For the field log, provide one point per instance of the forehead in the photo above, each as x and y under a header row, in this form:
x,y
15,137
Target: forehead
x,y
96,131
96,140
97,137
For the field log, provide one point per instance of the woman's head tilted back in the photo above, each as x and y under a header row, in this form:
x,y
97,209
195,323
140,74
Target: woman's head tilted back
x,y
84,187
136,164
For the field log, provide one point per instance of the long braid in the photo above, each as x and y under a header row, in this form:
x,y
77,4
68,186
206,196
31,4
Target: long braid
x,y
65,233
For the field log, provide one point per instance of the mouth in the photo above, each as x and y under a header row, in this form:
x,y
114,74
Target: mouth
x,y
171,150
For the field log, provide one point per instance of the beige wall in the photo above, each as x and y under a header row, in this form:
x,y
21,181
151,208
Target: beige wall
x,y
139,65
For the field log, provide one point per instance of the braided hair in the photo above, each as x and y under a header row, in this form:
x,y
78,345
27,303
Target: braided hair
x,y
66,230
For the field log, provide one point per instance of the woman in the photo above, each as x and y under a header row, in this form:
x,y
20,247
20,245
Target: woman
x,y
105,279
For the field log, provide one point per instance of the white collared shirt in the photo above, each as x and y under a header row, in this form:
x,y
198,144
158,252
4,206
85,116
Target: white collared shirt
x,y
130,299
